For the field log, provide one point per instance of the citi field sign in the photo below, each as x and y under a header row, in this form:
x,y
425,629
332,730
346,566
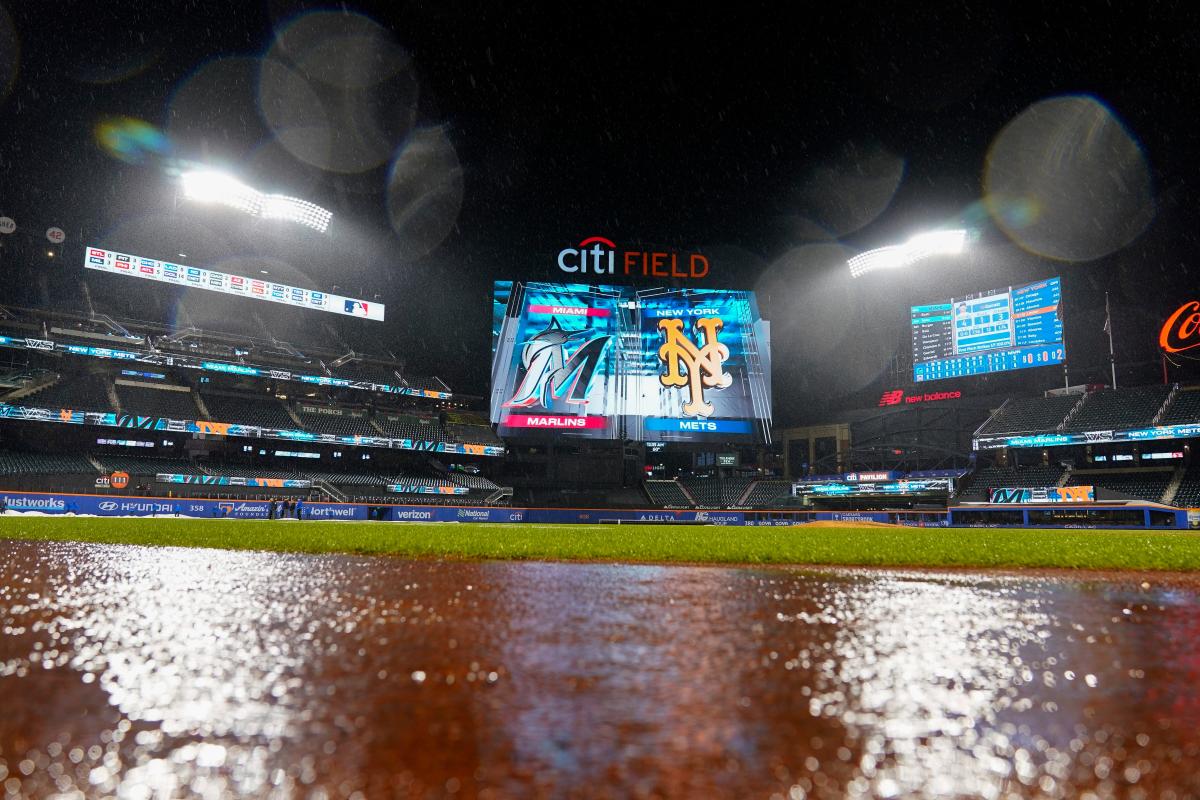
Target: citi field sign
x,y
597,255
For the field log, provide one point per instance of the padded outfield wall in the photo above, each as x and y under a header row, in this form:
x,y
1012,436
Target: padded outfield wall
x,y
1022,517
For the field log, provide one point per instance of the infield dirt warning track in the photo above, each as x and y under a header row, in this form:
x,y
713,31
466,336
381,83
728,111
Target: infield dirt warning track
x,y
168,672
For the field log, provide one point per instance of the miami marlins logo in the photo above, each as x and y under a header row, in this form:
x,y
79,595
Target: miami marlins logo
x,y
702,365
550,375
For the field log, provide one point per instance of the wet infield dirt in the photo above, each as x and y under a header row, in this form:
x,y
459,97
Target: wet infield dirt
x,y
166,672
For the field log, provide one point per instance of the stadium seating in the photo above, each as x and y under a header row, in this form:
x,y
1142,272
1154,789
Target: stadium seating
x,y
1188,494
146,465
770,494
472,481
977,486
338,425
1030,415
80,392
473,434
266,412
148,402
421,383
357,371
667,494
1184,408
348,478
717,492
1142,484
17,463
410,426
1119,409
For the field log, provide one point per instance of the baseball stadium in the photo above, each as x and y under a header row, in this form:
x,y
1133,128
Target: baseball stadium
x,y
404,402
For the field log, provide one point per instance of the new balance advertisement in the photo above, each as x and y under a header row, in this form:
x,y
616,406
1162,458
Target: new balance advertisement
x,y
614,362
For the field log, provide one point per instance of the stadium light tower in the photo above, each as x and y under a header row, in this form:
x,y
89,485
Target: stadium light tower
x,y
917,248
205,186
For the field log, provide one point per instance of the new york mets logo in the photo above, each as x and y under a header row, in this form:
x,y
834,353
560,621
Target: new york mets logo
x,y
550,375
703,365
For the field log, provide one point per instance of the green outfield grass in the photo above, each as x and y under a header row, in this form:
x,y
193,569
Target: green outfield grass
x,y
849,545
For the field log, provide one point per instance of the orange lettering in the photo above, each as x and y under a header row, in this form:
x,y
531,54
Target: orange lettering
x,y
1173,339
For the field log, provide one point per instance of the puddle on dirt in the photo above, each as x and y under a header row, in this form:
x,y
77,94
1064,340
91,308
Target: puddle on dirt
x,y
163,672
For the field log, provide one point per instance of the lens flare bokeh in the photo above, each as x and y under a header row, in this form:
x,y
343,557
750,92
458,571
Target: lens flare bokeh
x,y
10,53
1066,180
214,111
851,188
133,141
337,91
424,191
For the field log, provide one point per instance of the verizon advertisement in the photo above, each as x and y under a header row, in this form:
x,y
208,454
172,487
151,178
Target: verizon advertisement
x,y
213,281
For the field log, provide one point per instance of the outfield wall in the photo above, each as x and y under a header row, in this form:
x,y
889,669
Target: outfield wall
x,y
114,506
1016,517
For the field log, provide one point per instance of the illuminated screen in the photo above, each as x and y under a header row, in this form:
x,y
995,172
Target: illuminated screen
x,y
213,281
613,362
1004,329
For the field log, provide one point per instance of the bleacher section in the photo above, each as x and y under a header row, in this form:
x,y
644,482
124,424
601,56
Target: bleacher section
x,y
977,486
666,494
348,478
152,402
1119,409
12,463
770,494
146,465
1184,408
1030,415
472,481
1143,484
336,421
265,413
410,426
717,492
86,392
1188,495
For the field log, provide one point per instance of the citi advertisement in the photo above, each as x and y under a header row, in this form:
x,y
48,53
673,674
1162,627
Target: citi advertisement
x,y
612,362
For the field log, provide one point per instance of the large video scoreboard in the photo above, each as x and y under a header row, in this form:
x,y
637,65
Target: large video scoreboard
x,y
613,362
1003,329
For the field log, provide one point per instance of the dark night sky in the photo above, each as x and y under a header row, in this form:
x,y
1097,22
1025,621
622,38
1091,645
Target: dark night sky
x,y
777,141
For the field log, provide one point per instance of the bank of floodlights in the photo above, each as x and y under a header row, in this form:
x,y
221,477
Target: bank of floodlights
x,y
918,248
215,187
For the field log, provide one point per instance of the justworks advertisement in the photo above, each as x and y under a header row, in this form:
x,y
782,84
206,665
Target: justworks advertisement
x,y
612,362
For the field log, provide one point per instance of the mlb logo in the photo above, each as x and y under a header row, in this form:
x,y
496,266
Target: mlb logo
x,y
357,307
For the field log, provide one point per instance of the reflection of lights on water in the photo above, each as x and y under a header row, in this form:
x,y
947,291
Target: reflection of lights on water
x,y
224,673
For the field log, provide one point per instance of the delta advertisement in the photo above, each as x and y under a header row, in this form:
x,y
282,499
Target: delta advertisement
x,y
618,362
